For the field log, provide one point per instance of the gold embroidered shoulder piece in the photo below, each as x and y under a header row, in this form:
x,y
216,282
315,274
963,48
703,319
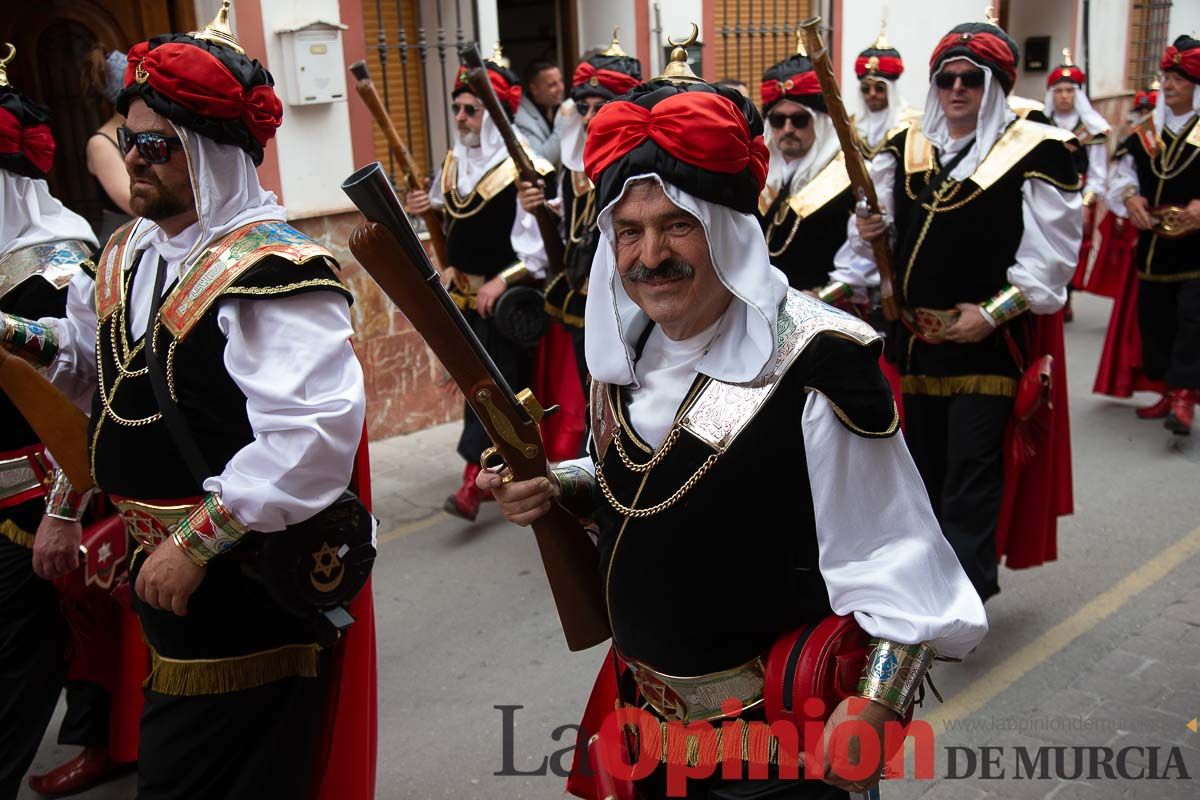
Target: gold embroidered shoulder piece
x,y
56,262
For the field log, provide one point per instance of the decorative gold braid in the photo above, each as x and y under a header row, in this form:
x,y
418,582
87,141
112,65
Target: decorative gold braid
x,y
1170,277
1170,157
1043,176
642,513
332,283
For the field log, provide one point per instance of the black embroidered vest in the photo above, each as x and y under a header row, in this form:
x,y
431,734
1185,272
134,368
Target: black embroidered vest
x,y
566,293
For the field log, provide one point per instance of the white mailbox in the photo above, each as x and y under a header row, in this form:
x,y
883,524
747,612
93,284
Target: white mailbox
x,y
314,70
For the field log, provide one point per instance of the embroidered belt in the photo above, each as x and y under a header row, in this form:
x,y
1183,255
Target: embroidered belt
x,y
24,475
928,324
463,290
149,523
1166,222
699,698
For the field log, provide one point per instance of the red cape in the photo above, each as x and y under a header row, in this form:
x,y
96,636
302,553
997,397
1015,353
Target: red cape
x,y
1114,257
556,382
1120,371
351,729
1038,490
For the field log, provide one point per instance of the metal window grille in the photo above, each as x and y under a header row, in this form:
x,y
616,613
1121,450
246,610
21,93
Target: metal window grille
x,y
1148,30
413,66
754,35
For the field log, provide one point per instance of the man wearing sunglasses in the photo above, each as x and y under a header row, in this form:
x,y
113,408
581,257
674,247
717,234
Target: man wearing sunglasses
x,y
212,347
881,110
598,79
988,220
492,244
806,201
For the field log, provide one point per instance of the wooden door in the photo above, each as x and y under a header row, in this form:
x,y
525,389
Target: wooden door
x,y
53,39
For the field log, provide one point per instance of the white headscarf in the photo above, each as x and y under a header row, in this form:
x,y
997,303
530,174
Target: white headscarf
x,y
1166,118
824,148
1083,111
573,136
745,343
228,195
874,125
30,215
994,117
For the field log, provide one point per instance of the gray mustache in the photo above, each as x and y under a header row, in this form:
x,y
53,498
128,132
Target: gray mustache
x,y
668,270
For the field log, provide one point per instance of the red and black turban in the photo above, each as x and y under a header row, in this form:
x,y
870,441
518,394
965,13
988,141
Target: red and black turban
x,y
606,77
1183,58
205,87
1066,73
792,79
505,84
704,139
1145,100
26,144
984,44
879,62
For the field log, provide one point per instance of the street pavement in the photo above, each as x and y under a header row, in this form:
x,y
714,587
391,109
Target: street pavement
x,y
1098,650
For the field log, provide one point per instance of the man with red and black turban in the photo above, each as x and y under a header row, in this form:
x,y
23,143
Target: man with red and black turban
x,y
987,225
492,244
712,381
1155,181
881,109
804,206
212,347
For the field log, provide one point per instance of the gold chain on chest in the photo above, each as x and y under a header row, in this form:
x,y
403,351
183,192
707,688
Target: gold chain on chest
x,y
775,222
1169,158
583,222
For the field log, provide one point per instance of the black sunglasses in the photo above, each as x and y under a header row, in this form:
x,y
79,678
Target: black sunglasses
x,y
154,148
970,80
586,108
872,87
466,108
799,120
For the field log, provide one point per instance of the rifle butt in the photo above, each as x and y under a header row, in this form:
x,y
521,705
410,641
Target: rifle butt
x,y
59,425
573,570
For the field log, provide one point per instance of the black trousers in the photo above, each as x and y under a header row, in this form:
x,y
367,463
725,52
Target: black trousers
x,y
86,722
714,788
957,443
512,361
245,745
1169,318
33,640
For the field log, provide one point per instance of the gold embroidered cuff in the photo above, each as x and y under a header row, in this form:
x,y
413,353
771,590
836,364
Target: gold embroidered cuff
x,y
1089,199
515,274
1006,304
1130,191
893,673
208,530
835,291
63,502
29,339
576,489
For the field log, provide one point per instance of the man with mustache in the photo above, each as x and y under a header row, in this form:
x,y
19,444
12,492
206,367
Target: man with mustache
x,y
492,244
250,328
1155,182
806,201
709,372
987,217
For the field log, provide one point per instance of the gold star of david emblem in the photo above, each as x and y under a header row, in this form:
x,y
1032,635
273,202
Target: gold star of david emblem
x,y
326,561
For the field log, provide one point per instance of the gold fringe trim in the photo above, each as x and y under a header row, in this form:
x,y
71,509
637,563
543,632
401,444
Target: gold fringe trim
x,y
13,532
947,386
201,676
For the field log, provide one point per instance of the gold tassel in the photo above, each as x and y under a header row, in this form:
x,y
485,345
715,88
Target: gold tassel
x,y
13,532
946,386
193,677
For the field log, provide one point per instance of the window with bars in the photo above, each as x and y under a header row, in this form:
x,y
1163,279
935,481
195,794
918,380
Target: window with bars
x,y
753,35
1149,21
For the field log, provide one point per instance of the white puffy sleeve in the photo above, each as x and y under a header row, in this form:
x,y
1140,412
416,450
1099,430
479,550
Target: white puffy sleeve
x,y
882,553
1122,174
1097,172
527,243
74,368
1049,248
306,403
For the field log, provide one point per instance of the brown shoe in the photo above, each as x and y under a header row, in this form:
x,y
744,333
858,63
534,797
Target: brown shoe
x,y
91,767
1157,410
1183,406
465,502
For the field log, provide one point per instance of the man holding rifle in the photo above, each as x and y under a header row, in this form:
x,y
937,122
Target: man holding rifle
x,y
210,322
708,373
492,244
978,188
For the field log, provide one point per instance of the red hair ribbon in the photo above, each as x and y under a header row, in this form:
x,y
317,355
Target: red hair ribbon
x,y
197,80
35,142
615,82
506,94
703,129
799,84
987,46
1187,60
1072,73
888,65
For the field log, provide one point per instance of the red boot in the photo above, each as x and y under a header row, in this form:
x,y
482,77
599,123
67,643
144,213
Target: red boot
x,y
1183,405
465,502
90,768
1157,410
